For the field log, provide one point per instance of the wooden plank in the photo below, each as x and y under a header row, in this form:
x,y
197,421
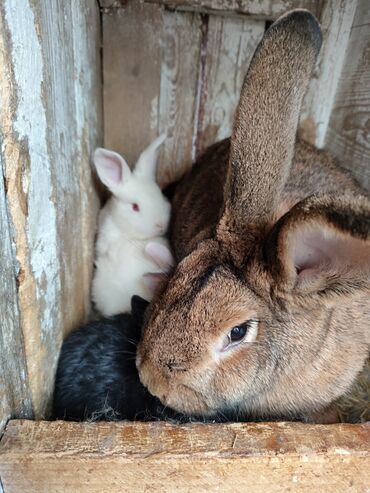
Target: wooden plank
x,y
48,132
132,71
263,9
150,83
348,135
88,116
14,389
230,45
336,21
181,45
160,457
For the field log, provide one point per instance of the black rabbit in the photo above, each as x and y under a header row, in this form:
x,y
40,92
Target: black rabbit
x,y
97,378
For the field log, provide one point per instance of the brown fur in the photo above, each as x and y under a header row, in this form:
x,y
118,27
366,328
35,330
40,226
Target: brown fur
x,y
238,231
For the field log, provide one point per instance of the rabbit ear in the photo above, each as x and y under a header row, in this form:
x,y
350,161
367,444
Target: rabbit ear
x,y
322,245
111,167
265,125
147,162
161,255
153,282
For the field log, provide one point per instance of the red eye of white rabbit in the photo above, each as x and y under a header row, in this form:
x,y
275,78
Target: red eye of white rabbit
x,y
245,332
135,207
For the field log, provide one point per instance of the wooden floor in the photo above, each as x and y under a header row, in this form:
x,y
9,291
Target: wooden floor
x,y
53,457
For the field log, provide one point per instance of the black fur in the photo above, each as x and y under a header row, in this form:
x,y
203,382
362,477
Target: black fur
x,y
97,378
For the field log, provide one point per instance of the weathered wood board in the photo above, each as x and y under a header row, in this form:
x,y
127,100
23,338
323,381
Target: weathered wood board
x,y
40,457
14,389
182,72
173,72
262,9
50,120
150,83
132,66
348,135
180,78
336,20
229,46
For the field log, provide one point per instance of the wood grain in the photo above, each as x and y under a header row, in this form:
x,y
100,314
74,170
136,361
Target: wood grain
x,y
49,123
158,457
181,45
348,135
336,21
150,83
14,390
230,45
132,72
262,9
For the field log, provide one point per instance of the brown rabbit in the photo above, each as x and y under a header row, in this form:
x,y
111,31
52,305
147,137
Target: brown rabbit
x,y
268,310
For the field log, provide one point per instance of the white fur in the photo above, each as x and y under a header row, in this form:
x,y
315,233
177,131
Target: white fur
x,y
123,233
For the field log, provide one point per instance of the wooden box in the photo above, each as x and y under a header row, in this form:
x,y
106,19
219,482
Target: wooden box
x,y
75,74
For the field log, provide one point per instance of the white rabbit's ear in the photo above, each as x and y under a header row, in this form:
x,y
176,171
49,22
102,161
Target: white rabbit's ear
x,y
161,255
147,162
153,282
111,167
164,259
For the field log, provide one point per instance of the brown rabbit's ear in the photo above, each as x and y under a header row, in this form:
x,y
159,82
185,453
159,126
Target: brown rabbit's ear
x,y
265,125
322,245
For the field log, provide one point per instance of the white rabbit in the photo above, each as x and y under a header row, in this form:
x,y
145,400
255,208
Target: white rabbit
x,y
136,213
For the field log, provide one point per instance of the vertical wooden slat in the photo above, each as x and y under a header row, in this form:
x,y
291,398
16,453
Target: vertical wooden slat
x,y
132,68
336,21
231,42
181,42
14,391
48,134
88,114
349,129
151,60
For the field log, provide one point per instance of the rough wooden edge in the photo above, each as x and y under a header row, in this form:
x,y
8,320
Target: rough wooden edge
x,y
128,438
265,9
62,456
336,21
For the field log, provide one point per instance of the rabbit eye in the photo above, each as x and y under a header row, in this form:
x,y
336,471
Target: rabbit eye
x,y
246,331
135,207
238,332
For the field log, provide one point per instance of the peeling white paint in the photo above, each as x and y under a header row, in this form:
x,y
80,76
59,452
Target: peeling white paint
x,y
50,87
31,126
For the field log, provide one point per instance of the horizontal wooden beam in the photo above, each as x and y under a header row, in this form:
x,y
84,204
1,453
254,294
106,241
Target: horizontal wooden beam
x,y
115,457
265,9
